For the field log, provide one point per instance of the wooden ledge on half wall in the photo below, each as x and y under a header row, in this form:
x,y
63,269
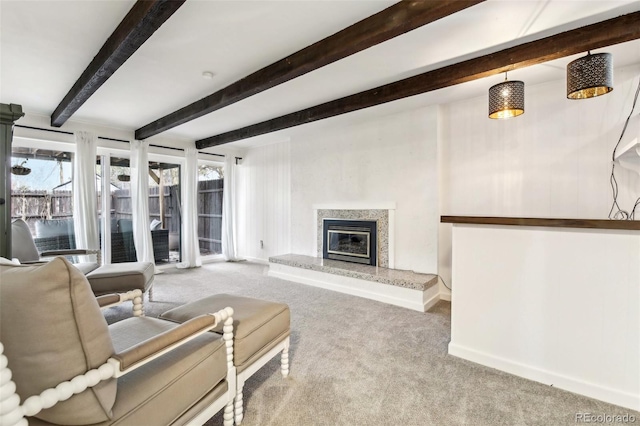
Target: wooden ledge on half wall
x,y
631,225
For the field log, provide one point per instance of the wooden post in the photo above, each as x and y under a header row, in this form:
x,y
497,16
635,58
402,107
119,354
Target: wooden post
x,y
161,198
9,113
158,179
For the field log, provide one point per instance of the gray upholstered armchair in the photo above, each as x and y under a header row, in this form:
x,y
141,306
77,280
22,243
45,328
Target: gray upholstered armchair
x,y
105,279
61,364
59,234
24,248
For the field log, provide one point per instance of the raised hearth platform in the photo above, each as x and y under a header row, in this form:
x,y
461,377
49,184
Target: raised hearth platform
x,y
397,287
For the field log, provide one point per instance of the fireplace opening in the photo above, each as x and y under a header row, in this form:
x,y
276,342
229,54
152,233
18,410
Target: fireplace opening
x,y
350,241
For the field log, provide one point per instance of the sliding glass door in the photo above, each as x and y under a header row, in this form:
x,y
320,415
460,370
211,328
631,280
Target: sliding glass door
x,y
164,219
42,195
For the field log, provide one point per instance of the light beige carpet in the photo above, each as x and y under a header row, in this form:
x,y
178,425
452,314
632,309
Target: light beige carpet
x,y
355,361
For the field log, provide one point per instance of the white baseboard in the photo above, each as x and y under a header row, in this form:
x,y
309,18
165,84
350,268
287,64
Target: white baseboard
x,y
256,260
220,258
212,259
445,296
431,301
592,390
416,300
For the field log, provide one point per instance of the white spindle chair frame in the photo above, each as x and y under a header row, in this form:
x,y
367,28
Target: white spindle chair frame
x,y
12,413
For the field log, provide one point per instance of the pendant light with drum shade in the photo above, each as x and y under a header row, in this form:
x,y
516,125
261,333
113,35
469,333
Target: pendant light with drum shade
x,y
506,99
590,76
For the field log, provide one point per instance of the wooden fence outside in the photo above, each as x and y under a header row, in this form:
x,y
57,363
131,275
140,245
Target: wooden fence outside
x,y
41,205
210,216
35,205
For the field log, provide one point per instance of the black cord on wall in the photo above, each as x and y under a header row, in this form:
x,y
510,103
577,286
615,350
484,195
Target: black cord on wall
x,y
443,282
616,211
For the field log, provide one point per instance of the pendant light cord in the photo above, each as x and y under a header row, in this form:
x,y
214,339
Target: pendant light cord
x,y
616,212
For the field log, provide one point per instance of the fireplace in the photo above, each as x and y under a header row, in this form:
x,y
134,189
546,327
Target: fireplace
x,y
350,241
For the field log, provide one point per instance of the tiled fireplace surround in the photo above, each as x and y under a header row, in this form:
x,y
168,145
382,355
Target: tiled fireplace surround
x,y
383,283
380,216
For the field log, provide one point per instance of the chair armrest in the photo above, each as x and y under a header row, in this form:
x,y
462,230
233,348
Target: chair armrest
x,y
12,413
115,299
107,300
68,252
146,351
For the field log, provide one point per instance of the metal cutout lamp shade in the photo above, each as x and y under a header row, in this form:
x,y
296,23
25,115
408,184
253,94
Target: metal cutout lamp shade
x,y
590,76
506,99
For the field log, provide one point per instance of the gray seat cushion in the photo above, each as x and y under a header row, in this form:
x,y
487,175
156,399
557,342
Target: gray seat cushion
x,y
159,392
167,388
121,277
86,267
258,324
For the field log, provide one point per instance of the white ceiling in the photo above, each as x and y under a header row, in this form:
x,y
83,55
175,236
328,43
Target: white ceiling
x,y
45,46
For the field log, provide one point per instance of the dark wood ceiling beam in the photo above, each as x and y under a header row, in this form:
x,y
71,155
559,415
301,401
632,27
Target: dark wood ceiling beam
x,y
144,18
606,33
398,19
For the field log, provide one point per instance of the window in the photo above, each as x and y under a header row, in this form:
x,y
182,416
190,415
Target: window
x,y
165,210
210,188
41,195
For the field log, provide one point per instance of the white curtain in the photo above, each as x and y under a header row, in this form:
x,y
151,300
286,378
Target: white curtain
x,y
228,210
190,247
85,215
139,165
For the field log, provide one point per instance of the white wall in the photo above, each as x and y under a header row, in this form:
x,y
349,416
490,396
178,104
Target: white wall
x,y
264,202
553,161
389,159
557,305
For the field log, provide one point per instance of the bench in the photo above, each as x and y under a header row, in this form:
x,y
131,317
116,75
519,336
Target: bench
x,y
261,331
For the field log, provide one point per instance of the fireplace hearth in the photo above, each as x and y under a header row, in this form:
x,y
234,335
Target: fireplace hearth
x,y
350,241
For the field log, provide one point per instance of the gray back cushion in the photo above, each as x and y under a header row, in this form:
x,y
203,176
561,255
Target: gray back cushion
x,y
54,228
52,330
22,245
125,225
